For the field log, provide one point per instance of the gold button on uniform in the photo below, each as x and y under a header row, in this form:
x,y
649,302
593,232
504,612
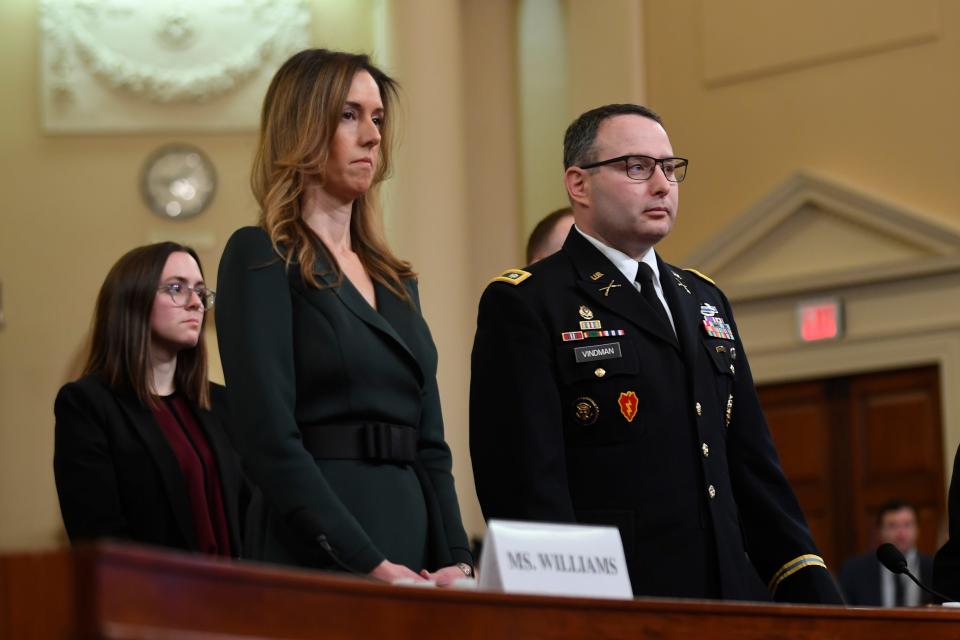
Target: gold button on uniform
x,y
600,372
705,449
712,492
699,409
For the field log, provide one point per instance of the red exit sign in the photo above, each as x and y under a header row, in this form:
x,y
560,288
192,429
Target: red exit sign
x,y
820,319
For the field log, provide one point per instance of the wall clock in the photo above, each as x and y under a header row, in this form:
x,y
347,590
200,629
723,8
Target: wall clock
x,y
178,181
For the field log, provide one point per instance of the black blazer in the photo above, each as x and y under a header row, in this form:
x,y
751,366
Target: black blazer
x,y
117,475
860,580
657,434
299,357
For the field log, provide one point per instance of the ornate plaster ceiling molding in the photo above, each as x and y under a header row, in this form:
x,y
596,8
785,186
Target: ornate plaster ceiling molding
x,y
164,52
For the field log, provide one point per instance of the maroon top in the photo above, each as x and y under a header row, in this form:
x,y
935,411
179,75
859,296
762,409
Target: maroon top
x,y
200,472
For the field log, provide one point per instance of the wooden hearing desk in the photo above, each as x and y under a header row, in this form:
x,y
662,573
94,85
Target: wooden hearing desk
x,y
110,590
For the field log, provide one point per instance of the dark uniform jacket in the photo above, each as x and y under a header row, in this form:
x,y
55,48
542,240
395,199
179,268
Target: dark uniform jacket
x,y
946,564
659,436
861,582
117,475
305,366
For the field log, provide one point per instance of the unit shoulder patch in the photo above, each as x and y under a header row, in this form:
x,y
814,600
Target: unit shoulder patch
x,y
512,276
701,276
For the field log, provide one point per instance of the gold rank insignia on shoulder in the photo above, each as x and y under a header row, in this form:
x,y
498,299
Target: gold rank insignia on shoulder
x,y
701,276
512,276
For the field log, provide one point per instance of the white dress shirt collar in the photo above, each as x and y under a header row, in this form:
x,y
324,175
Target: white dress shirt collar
x,y
627,265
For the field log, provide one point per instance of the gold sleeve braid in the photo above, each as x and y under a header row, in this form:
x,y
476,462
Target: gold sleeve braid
x,y
791,567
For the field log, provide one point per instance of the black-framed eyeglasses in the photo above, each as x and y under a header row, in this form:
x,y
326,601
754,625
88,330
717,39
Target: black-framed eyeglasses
x,y
642,167
180,294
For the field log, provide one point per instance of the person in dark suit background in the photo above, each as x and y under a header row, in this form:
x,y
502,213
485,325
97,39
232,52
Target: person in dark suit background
x,y
865,582
946,563
330,366
140,449
548,235
610,387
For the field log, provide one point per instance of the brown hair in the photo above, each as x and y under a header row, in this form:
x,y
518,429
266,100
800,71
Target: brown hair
x,y
582,132
120,340
301,112
543,229
895,505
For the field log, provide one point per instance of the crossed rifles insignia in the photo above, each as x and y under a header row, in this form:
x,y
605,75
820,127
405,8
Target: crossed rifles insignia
x,y
606,289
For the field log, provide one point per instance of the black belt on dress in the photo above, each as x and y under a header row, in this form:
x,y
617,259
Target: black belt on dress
x,y
376,441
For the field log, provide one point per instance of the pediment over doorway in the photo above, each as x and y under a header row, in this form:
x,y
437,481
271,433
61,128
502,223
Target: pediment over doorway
x,y
812,233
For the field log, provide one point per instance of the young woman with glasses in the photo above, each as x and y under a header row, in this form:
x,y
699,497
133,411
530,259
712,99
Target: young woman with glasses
x,y
330,367
141,451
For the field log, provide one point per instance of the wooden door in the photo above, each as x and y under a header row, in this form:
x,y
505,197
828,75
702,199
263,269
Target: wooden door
x,y
850,444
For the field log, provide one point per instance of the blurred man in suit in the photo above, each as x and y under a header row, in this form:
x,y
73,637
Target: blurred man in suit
x,y
866,583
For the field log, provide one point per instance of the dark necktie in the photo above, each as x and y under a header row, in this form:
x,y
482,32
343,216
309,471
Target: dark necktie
x,y
645,278
899,595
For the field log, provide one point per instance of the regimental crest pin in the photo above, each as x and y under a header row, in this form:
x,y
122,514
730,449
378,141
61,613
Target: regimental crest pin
x,y
585,312
628,405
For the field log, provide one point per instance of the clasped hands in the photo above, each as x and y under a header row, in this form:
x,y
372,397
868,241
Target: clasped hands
x,y
389,572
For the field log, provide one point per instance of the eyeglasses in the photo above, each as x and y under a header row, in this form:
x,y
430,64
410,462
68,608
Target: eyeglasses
x,y
180,294
642,167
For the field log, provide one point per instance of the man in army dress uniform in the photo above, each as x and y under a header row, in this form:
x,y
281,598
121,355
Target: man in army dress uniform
x,y
610,387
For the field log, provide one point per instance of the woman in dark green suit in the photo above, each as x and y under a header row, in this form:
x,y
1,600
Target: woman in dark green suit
x,y
330,367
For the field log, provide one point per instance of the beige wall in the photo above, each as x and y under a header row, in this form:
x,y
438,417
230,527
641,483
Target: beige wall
x,y
751,91
571,57
749,95
72,207
863,93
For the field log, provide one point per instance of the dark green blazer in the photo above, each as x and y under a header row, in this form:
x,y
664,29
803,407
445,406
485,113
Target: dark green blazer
x,y
296,357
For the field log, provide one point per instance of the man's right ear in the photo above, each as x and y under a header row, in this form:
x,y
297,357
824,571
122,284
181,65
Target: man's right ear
x,y
578,188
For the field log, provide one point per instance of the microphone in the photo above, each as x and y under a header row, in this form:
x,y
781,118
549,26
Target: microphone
x,y
891,558
306,521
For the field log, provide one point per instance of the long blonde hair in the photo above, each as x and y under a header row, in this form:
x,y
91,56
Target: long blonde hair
x,y
301,112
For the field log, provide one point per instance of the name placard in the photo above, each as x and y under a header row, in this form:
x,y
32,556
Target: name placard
x,y
554,559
